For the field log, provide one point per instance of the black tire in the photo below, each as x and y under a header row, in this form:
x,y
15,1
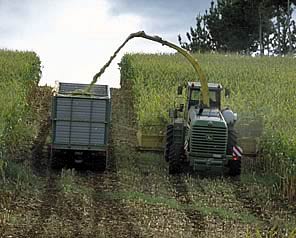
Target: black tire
x,y
234,168
234,165
99,164
170,154
175,166
169,142
56,162
232,138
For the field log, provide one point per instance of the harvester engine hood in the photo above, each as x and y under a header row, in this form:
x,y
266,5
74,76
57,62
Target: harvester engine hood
x,y
207,139
206,114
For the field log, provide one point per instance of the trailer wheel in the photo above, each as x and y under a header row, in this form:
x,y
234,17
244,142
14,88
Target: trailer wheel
x,y
169,141
99,165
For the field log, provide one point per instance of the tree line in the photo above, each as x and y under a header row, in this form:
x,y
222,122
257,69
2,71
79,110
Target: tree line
x,y
244,26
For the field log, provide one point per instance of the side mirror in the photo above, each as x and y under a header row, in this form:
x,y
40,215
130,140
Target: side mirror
x,y
180,90
181,108
172,113
235,117
227,93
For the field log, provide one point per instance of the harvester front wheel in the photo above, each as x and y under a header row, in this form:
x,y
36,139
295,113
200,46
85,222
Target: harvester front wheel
x,y
174,161
232,138
234,168
234,165
169,141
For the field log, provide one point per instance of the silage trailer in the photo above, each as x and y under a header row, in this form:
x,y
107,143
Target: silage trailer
x,y
80,125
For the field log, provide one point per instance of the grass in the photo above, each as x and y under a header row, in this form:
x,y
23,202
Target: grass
x,y
20,174
19,198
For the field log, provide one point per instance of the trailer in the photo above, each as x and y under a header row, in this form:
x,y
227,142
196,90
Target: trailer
x,y
80,125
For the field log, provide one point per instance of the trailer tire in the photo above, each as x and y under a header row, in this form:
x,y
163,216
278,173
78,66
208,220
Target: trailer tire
x,y
56,162
99,165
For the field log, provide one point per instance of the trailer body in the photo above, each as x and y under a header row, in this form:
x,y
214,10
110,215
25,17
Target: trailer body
x,y
80,125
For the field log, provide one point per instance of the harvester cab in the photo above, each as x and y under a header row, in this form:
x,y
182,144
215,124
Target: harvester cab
x,y
194,95
203,137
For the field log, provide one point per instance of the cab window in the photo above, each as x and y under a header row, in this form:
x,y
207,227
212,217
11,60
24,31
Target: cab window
x,y
194,97
196,94
213,96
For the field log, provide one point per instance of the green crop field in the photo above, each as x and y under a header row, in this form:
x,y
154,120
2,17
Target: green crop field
x,y
136,197
19,77
260,87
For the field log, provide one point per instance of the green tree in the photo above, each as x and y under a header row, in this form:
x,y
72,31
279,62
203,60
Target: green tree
x,y
243,26
284,41
233,25
228,26
199,38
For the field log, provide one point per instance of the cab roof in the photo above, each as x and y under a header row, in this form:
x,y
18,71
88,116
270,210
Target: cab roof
x,y
212,86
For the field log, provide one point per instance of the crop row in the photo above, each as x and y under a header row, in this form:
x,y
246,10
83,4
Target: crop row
x,y
19,77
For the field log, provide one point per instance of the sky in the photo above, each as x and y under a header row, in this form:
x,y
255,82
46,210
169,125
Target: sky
x,y
74,39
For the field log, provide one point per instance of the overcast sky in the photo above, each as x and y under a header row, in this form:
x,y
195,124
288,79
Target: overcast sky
x,y
74,38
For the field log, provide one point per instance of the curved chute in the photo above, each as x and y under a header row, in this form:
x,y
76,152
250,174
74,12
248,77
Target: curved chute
x,y
188,56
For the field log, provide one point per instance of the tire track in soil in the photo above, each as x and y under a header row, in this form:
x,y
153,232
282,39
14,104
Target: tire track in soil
x,y
177,182
110,211
40,149
183,197
242,194
264,214
258,209
124,127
